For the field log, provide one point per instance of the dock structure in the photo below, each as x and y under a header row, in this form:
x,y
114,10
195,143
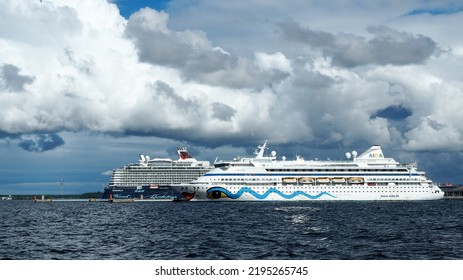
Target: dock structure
x,y
452,191
454,194
43,199
111,200
121,200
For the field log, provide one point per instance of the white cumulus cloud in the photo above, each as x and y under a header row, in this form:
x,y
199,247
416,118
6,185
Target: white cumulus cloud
x,y
79,66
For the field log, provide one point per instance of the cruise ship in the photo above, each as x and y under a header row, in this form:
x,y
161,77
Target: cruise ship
x,y
153,178
369,176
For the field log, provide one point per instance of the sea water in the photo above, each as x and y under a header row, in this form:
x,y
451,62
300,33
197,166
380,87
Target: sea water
x,y
240,230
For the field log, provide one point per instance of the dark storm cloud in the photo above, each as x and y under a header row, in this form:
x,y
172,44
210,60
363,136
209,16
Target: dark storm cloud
x,y
40,142
191,52
164,49
388,46
317,39
304,78
160,46
164,91
435,124
11,80
146,121
222,111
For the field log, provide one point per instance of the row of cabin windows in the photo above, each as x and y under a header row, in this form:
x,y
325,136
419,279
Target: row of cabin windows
x,y
273,179
337,170
263,190
383,185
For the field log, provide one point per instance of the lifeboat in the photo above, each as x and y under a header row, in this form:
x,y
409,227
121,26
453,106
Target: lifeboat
x,y
355,180
289,180
323,180
339,180
306,180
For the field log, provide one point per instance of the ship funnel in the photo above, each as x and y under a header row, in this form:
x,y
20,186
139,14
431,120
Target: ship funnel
x,y
374,152
183,153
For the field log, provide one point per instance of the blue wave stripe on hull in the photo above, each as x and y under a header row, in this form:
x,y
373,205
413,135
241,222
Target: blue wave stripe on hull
x,y
267,193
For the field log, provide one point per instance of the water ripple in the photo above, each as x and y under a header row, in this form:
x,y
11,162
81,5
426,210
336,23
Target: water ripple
x,y
251,230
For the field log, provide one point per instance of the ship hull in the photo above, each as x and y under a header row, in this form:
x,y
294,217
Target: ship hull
x,y
309,193
144,192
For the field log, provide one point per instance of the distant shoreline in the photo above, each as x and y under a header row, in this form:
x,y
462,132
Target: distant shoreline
x,y
95,195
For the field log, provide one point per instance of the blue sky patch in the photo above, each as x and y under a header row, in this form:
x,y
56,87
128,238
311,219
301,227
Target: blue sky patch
x,y
393,113
435,11
128,7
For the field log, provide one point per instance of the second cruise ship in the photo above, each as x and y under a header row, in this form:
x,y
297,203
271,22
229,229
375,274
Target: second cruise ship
x,y
153,178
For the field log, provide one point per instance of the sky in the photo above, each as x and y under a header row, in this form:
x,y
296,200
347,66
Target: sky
x,y
86,86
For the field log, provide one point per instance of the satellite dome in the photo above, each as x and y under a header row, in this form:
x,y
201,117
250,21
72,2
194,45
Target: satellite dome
x,y
348,155
283,158
354,154
273,153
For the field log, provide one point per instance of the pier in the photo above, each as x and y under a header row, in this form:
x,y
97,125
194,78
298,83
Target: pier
x,y
452,191
42,199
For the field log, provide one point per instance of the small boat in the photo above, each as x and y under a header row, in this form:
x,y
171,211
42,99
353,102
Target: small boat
x,y
42,199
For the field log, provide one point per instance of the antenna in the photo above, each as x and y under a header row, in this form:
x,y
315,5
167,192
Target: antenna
x,y
61,184
260,150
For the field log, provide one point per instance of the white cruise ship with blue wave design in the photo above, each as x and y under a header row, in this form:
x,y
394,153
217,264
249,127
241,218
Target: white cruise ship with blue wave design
x,y
369,176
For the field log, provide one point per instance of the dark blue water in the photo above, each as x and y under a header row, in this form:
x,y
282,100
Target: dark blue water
x,y
271,230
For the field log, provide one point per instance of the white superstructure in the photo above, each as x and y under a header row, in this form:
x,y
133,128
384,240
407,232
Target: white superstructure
x,y
159,171
369,176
